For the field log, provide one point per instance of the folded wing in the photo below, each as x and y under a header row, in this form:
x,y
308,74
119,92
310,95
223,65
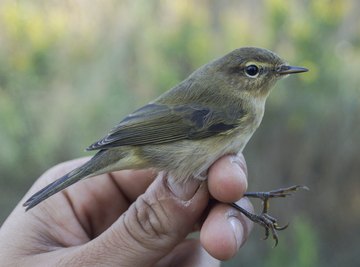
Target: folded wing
x,y
158,123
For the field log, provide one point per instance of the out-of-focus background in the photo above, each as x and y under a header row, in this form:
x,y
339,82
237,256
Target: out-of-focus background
x,y
70,70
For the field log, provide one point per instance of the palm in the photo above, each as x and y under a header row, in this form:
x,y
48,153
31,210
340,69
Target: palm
x,y
87,220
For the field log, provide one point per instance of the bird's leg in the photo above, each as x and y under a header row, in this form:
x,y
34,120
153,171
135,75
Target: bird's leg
x,y
264,219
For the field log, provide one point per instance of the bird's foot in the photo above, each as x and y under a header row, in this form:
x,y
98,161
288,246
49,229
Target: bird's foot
x,y
282,192
264,219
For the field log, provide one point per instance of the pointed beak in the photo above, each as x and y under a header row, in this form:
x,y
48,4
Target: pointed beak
x,y
285,69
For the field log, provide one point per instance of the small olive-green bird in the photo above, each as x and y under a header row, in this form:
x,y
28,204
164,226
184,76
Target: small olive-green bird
x,y
213,112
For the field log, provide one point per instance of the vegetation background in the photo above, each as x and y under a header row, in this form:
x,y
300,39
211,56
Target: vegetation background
x,y
70,70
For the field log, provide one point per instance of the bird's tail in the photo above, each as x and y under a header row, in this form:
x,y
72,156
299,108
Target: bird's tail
x,y
56,186
88,169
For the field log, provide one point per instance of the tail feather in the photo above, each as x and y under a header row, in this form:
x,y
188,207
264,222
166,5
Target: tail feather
x,y
96,165
56,186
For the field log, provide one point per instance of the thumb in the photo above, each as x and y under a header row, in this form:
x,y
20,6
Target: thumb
x,y
153,225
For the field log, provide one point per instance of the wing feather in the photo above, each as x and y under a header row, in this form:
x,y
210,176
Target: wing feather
x,y
158,123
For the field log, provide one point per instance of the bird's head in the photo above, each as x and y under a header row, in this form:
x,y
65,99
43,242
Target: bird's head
x,y
253,70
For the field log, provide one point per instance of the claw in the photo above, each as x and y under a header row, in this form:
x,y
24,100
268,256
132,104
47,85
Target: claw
x,y
264,219
267,233
304,187
275,237
280,228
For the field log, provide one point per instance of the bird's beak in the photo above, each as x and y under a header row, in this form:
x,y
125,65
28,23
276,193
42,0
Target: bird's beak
x,y
285,69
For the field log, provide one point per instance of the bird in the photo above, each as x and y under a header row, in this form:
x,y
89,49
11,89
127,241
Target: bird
x,y
213,112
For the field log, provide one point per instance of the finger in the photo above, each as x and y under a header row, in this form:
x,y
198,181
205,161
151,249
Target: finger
x,y
134,182
153,225
225,230
188,253
129,183
95,202
227,180
99,201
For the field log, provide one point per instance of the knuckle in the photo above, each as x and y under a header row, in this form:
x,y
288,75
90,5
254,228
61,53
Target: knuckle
x,y
151,217
147,221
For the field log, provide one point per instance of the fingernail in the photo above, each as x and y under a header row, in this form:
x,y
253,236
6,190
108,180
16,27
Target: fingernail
x,y
245,222
183,190
239,160
238,231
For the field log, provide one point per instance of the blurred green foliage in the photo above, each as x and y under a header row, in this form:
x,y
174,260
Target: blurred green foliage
x,y
70,70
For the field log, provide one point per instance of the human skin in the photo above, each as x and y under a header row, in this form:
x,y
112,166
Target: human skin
x,y
131,218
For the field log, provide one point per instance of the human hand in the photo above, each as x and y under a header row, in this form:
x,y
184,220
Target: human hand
x,y
130,218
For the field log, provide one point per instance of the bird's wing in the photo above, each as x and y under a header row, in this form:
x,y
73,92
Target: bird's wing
x,y
158,123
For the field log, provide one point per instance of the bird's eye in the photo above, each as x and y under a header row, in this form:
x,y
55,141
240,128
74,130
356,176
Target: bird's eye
x,y
252,71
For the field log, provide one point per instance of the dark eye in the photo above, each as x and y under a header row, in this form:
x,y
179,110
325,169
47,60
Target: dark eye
x,y
252,71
